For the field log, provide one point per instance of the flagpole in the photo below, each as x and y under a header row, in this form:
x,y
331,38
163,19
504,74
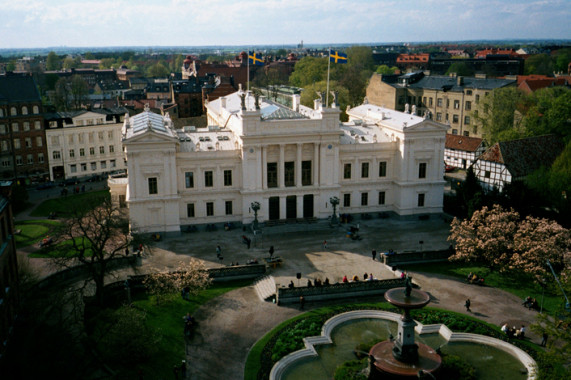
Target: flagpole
x,y
328,66
248,75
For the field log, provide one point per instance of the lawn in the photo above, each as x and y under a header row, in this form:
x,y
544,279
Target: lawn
x,y
167,318
522,286
64,206
32,231
61,249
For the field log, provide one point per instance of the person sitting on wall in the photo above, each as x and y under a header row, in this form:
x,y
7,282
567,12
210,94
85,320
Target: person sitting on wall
x,y
291,285
345,279
355,278
309,284
326,281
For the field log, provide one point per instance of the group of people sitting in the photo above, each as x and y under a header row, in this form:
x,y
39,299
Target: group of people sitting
x,y
366,277
473,278
530,303
512,332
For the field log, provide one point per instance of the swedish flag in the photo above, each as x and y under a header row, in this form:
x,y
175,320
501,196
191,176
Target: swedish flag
x,y
255,59
337,57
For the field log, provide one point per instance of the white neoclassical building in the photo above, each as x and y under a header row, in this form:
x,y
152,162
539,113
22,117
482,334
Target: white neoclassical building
x,y
290,161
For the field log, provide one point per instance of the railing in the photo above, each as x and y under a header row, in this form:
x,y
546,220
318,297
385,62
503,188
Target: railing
x,y
416,257
336,291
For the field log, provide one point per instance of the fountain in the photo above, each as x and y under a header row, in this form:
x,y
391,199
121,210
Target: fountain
x,y
402,358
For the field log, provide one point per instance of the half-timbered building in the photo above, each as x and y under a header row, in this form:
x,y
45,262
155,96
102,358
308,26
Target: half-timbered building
x,y
462,151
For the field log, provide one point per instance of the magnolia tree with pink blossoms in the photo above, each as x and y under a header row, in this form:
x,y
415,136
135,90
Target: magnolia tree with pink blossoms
x,y
500,239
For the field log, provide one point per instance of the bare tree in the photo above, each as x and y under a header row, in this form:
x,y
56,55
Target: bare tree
x,y
94,238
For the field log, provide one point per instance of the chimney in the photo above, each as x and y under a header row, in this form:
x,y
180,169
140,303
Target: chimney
x,y
317,104
295,100
222,102
459,80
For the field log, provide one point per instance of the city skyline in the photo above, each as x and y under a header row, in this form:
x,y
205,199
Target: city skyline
x,y
73,23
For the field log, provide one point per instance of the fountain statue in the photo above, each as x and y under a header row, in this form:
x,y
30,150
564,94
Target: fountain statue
x,y
402,358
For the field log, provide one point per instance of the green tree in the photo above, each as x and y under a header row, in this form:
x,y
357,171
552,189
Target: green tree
x,y
461,69
69,63
385,70
62,94
52,61
539,64
496,114
549,112
308,70
11,65
562,59
79,89
158,70
308,95
89,55
106,63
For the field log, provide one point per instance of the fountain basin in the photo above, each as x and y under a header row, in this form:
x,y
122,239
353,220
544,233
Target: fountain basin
x,y
281,368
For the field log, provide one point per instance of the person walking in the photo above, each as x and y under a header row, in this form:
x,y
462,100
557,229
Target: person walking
x,y
271,251
301,302
374,254
544,339
324,244
218,251
467,305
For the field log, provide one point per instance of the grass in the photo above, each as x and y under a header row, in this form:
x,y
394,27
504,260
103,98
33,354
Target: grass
x,y
61,249
521,286
64,206
32,231
167,318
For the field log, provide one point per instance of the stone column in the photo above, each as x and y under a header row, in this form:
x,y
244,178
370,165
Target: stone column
x,y
316,167
298,165
281,176
264,163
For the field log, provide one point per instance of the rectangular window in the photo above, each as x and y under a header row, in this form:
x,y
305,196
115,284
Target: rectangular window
x,y
6,163
70,139
5,146
422,170
364,199
92,151
381,197
94,166
102,149
468,92
456,104
455,119
289,171
15,127
91,136
306,173
103,164
347,171
447,103
382,169
56,155
209,208
109,133
111,148
30,159
227,177
19,160
364,170
438,116
430,102
153,185
228,207
208,179
73,168
80,138
83,167
466,133
16,143
39,141
82,152
477,99
487,174
272,169
346,200
113,163
439,102
468,106
41,158
467,120
28,142
71,153
420,200
2,129
26,125
37,125
189,180
190,210
100,135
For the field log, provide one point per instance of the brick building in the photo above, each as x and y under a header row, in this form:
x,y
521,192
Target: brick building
x,y
23,153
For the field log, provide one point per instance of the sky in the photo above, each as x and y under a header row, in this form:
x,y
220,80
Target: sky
x,y
86,23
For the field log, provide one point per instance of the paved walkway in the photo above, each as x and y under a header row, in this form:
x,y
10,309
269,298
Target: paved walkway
x,y
229,325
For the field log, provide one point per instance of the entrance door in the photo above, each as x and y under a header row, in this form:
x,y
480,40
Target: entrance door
x,y
291,207
463,164
308,206
274,208
58,172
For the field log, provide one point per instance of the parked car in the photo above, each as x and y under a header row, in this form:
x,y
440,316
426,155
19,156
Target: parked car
x,y
45,185
449,168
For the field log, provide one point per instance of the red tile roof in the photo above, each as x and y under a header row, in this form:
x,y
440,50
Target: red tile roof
x,y
484,53
465,143
413,58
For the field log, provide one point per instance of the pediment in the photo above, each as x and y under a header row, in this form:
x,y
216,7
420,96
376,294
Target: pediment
x,y
150,136
427,125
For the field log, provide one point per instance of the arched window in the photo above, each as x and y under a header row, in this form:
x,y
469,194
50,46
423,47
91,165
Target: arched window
x,y
13,111
36,109
1,112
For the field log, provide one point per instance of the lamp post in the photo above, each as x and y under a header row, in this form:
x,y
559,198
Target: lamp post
x,y
334,202
255,206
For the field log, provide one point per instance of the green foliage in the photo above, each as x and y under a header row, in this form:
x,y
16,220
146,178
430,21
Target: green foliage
x,y
52,61
539,64
309,94
291,339
309,70
158,70
461,69
352,370
385,70
454,367
63,206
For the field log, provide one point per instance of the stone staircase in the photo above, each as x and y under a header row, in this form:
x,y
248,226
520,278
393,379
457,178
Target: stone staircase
x,y
266,288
